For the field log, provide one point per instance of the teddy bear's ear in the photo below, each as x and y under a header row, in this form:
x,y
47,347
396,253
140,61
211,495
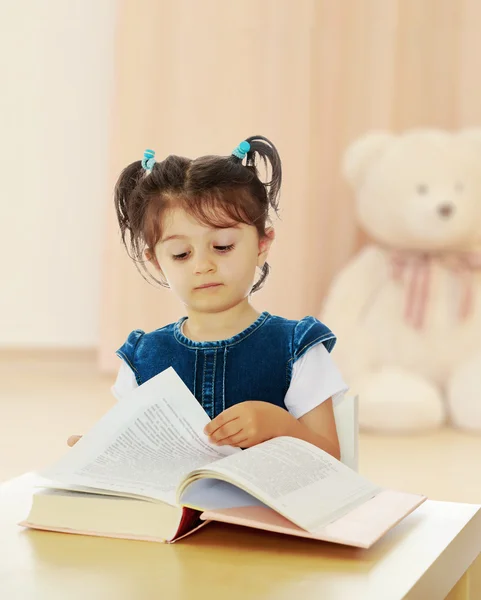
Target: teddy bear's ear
x,y
472,134
361,154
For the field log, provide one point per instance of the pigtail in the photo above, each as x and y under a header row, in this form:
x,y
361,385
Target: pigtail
x,y
125,199
266,151
132,191
258,146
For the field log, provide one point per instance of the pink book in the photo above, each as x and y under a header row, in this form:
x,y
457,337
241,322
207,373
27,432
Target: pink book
x,y
361,527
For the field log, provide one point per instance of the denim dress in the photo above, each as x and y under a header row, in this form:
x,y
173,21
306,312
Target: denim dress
x,y
255,364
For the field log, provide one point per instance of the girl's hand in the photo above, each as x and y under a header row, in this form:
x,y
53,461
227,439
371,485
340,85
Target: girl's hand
x,y
248,423
73,439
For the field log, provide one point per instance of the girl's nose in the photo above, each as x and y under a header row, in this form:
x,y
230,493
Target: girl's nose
x,y
203,264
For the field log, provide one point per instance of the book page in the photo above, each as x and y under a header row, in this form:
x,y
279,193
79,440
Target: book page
x,y
143,446
213,494
301,482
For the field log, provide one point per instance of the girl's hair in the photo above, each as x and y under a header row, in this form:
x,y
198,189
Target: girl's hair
x,y
218,191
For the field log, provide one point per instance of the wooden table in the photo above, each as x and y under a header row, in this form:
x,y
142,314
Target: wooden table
x,y
424,557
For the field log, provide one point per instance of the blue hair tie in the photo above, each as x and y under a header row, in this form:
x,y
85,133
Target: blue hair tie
x,y
149,159
242,149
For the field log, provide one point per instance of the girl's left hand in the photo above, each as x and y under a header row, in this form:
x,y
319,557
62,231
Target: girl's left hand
x,y
247,424
73,439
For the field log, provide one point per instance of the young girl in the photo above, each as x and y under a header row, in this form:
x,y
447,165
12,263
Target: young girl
x,y
202,225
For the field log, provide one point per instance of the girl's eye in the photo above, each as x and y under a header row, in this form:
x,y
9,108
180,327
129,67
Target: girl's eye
x,y
185,255
182,256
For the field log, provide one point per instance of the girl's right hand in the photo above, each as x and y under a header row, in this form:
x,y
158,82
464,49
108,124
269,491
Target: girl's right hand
x,y
73,439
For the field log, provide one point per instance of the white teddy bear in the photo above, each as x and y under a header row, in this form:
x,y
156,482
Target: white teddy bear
x,y
407,308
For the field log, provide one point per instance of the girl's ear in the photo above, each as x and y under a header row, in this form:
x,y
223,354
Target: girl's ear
x,y
150,256
264,246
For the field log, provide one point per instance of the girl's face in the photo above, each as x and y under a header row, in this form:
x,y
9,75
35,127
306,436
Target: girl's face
x,y
210,270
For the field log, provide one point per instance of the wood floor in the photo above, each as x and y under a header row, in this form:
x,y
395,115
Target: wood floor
x,y
46,396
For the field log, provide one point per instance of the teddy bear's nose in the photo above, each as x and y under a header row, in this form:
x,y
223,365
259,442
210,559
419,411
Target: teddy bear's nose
x,y
446,210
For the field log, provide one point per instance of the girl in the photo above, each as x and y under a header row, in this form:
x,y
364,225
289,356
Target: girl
x,y
202,225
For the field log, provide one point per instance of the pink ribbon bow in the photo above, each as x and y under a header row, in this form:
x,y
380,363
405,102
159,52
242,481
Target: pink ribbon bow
x,y
414,270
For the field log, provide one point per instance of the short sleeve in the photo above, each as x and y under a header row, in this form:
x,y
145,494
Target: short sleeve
x,y
315,378
125,382
309,332
127,351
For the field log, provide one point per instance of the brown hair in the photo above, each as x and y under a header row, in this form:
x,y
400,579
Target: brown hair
x,y
218,191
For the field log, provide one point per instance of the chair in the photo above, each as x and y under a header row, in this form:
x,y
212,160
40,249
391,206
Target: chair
x,y
347,424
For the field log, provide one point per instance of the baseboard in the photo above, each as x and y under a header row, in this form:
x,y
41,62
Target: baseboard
x,y
48,354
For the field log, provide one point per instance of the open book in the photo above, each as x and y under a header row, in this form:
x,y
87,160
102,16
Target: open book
x,y
147,471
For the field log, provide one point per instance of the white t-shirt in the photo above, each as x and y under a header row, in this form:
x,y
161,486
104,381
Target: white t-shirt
x,y
315,378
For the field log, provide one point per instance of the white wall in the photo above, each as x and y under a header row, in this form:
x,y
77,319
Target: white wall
x,y
56,82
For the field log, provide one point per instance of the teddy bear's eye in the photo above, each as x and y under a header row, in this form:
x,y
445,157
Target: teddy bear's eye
x,y
422,188
459,187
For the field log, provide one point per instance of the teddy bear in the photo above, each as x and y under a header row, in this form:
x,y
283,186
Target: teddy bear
x,y
406,308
